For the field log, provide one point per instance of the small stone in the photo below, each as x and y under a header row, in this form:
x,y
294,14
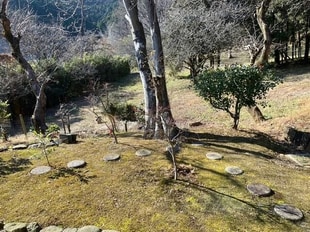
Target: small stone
x,y
143,152
33,227
52,229
89,229
19,147
40,170
3,149
259,190
70,230
15,227
214,156
234,170
111,157
288,212
76,164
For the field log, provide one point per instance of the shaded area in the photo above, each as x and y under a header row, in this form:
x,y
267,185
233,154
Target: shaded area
x,y
263,212
67,172
255,138
13,165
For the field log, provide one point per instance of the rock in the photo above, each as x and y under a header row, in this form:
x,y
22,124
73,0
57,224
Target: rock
x,y
288,212
15,227
259,190
52,229
19,147
89,229
111,157
33,227
1,225
234,170
40,170
3,149
143,152
76,164
214,156
70,230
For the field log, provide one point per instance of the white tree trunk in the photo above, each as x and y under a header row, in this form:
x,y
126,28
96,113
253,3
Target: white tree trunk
x,y
139,41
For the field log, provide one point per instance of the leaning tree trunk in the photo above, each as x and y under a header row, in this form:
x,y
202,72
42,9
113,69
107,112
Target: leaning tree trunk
x,y
38,116
165,123
139,40
263,59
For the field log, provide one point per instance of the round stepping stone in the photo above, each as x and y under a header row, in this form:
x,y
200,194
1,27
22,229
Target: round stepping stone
x,y
76,164
19,147
259,190
143,152
214,156
234,170
40,170
288,212
111,157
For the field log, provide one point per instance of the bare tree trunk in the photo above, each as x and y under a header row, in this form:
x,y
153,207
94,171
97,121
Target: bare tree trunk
x,y
264,55
261,14
37,88
139,40
163,110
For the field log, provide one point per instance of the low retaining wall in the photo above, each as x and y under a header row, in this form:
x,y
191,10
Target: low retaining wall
x,y
35,227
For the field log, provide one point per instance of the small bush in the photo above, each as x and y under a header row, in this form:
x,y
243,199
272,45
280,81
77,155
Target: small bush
x,y
234,87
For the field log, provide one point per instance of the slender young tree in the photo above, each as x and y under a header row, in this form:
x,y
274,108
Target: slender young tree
x,y
38,117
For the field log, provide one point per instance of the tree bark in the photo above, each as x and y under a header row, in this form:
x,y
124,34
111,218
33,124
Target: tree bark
x,y
261,10
261,14
139,41
37,88
165,121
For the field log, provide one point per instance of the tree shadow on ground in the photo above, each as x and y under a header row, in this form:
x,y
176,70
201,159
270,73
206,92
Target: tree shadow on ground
x,y
66,172
254,138
13,165
264,212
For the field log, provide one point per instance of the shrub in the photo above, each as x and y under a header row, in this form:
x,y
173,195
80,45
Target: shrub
x,y
232,88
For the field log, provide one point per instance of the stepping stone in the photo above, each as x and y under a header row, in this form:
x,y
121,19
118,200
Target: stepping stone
x,y
76,164
143,152
214,156
288,212
259,190
19,147
89,229
234,170
111,157
33,227
197,144
40,170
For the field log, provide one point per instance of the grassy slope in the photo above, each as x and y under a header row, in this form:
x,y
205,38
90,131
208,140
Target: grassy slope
x,y
137,194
